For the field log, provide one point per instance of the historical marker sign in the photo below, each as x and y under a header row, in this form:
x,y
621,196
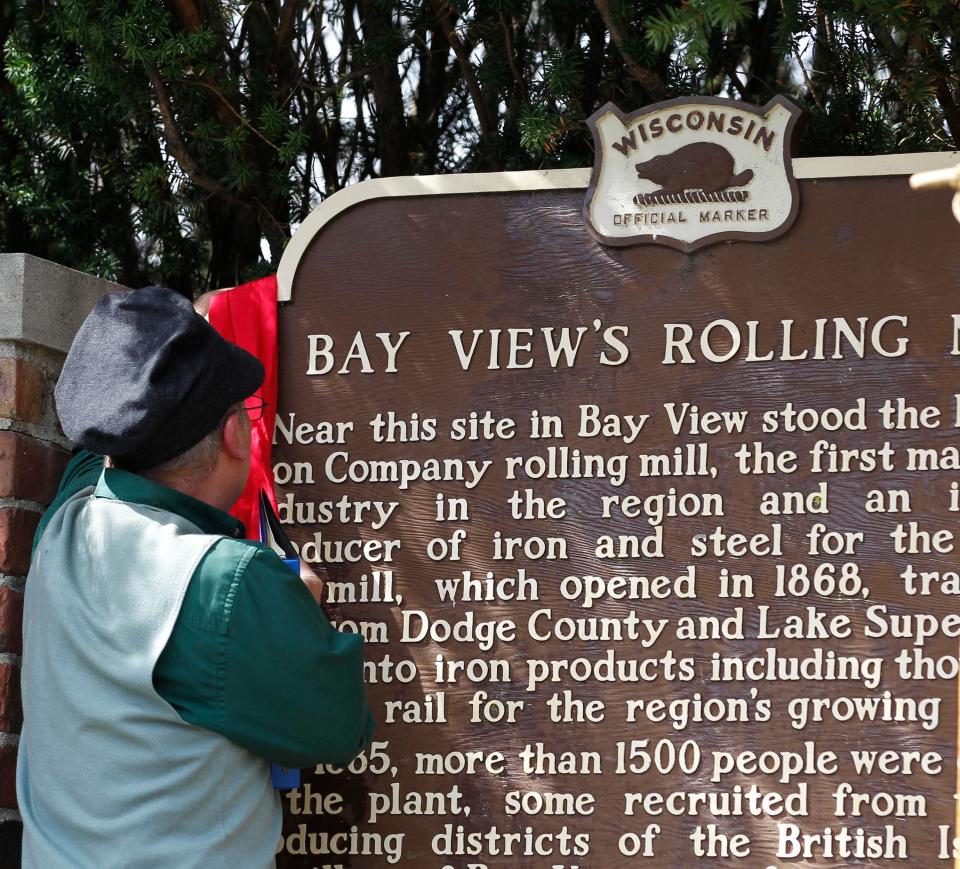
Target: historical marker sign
x,y
691,172
655,551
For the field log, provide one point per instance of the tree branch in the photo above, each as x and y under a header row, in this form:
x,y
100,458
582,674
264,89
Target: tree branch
x,y
806,77
508,44
648,78
189,13
951,111
945,96
390,118
287,17
240,118
178,147
192,20
442,11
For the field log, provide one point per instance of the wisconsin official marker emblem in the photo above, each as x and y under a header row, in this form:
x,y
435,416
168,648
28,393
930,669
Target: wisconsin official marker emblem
x,y
692,171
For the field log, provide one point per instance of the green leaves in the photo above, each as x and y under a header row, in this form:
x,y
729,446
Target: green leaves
x,y
149,183
563,72
687,26
240,175
272,121
537,129
102,263
294,143
234,141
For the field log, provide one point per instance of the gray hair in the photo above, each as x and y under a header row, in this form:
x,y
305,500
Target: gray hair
x,y
193,464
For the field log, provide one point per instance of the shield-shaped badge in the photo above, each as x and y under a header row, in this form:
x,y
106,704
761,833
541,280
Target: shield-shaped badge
x,y
691,172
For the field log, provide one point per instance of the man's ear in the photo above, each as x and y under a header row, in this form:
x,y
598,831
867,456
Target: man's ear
x,y
236,434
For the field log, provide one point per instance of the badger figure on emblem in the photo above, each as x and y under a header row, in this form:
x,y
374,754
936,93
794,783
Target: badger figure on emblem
x,y
701,167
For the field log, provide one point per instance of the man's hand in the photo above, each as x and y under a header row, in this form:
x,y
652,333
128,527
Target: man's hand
x,y
202,304
313,582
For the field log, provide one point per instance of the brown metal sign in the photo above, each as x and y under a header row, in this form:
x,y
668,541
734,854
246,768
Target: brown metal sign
x,y
654,552
691,172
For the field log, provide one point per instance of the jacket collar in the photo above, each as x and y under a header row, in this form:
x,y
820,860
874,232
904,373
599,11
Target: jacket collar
x,y
120,485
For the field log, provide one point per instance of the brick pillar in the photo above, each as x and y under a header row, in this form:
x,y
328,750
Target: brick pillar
x,y
41,307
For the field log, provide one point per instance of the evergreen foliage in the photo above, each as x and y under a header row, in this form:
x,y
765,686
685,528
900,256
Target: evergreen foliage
x,y
179,141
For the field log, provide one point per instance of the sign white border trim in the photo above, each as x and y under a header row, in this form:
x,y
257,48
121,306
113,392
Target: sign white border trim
x,y
557,179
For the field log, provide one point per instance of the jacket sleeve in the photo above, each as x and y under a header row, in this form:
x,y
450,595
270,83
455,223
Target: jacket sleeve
x,y
83,470
293,685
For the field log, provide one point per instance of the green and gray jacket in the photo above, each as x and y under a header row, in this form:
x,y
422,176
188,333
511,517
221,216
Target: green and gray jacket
x,y
166,661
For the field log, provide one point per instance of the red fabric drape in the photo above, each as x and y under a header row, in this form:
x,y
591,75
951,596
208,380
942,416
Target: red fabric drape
x,y
247,316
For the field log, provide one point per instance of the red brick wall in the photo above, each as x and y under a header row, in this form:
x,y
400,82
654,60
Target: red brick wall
x,y
32,459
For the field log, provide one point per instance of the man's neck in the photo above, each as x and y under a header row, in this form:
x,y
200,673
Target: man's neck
x,y
206,489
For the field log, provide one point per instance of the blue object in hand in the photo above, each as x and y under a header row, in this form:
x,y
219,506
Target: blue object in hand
x,y
273,536
283,777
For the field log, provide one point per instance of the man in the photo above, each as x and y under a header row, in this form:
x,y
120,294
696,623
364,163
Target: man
x,y
166,660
